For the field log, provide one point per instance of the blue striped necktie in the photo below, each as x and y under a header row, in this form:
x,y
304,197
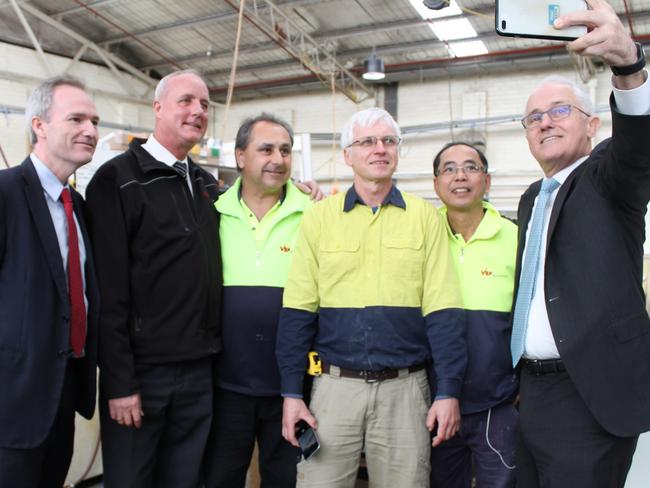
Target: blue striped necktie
x,y
529,271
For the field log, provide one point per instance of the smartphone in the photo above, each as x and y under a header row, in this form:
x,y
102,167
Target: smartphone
x,y
534,18
308,440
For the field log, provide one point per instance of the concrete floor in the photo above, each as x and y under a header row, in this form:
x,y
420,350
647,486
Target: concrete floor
x,y
99,484
638,477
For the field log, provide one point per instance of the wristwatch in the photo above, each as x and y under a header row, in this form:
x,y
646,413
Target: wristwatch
x,y
631,68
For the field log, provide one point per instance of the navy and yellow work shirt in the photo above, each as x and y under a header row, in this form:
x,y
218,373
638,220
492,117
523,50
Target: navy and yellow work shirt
x,y
256,256
371,289
486,270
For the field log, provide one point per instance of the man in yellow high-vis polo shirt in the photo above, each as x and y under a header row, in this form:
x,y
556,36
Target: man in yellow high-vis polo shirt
x,y
260,218
483,247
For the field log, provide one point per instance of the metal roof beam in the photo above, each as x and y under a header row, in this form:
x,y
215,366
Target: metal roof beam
x,y
360,30
32,38
220,17
289,36
385,49
111,60
73,10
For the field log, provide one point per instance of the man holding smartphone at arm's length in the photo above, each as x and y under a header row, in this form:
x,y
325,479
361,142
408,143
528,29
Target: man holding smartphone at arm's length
x,y
581,333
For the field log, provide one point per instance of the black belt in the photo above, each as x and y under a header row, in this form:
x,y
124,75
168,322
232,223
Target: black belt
x,y
543,366
370,376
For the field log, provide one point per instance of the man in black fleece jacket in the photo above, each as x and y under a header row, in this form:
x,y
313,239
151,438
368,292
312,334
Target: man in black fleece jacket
x,y
158,261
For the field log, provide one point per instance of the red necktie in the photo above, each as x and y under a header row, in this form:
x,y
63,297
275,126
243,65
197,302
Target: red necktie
x,y
75,283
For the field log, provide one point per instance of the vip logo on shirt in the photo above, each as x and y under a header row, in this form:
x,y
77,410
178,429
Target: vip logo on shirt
x,y
490,274
285,249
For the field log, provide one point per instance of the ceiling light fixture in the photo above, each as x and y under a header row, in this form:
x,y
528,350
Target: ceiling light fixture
x,y
435,4
373,68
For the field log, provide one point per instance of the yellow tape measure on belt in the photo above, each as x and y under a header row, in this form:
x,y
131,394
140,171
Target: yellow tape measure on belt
x,y
315,367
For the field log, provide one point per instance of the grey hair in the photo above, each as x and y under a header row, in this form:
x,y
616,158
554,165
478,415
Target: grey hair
x,y
161,87
246,128
584,101
366,118
39,102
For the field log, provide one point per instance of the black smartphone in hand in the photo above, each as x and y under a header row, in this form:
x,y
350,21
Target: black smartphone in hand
x,y
308,440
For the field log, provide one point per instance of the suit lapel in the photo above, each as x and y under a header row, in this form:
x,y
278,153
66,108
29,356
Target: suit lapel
x,y
44,226
523,218
525,213
561,198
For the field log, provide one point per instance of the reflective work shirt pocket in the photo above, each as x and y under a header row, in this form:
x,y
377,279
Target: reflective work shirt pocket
x,y
403,258
339,269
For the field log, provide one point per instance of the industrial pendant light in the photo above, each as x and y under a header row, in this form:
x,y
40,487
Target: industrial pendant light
x,y
435,4
373,68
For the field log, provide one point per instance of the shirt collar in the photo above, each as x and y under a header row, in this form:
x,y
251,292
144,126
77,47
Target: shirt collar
x,y
49,181
283,195
563,174
394,197
160,152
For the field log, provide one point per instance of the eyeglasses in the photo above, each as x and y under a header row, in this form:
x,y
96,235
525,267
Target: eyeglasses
x,y
558,112
371,141
467,168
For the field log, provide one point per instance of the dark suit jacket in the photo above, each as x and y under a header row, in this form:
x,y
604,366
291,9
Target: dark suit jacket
x,y
593,276
35,313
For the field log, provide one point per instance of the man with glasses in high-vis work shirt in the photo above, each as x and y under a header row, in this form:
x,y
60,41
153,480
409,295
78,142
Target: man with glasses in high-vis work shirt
x,y
373,291
484,249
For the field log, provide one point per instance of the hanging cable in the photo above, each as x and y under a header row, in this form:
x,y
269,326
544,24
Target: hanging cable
x,y
4,158
233,69
629,18
334,189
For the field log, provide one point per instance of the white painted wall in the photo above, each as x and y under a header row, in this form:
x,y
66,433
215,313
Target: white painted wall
x,y
478,98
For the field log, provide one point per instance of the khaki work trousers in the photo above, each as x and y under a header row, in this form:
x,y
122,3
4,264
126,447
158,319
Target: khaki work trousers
x,y
386,419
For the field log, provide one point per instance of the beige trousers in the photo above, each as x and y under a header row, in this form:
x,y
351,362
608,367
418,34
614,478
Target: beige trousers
x,y
386,419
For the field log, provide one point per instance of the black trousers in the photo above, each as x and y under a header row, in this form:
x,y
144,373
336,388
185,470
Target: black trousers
x,y
166,452
560,443
238,421
46,466
487,441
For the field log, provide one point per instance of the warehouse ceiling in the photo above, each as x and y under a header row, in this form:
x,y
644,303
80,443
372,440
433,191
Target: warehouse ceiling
x,y
287,45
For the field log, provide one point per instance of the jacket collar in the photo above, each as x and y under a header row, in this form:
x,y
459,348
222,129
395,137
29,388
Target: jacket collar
x,y
148,163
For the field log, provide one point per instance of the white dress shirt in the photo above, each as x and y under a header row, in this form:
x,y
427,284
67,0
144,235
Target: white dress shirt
x,y
52,189
539,343
162,154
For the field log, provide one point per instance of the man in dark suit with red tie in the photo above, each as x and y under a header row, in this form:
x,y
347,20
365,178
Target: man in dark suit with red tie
x,y
48,305
581,333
